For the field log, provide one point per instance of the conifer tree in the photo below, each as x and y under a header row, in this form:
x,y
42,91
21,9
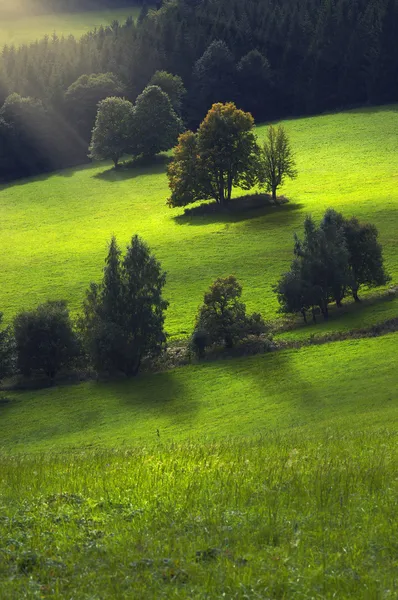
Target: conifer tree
x,y
123,316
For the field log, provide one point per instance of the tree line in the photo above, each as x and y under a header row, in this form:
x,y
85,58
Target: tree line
x,y
273,59
122,317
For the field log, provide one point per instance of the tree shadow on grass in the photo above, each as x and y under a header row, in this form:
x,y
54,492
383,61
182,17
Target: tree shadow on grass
x,y
283,392
163,393
240,209
134,168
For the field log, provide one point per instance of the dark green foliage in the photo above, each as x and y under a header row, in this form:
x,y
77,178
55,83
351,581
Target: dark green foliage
x,y
322,56
45,340
83,96
366,265
156,125
123,316
172,85
113,128
7,351
255,84
200,340
339,255
30,139
223,154
294,294
214,77
223,316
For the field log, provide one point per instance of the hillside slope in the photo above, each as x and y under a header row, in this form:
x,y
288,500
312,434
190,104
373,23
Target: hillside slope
x,y
55,228
338,387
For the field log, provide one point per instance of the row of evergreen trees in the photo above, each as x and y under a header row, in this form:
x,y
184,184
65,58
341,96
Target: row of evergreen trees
x,y
122,319
272,58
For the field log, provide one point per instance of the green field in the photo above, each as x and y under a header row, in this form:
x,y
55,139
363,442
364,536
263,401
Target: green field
x,y
55,228
317,387
25,29
271,477
265,477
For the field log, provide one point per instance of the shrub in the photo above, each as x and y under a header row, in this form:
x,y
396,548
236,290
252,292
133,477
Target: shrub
x,y
45,339
223,317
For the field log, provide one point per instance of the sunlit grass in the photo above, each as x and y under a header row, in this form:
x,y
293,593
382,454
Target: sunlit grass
x,y
268,477
55,228
25,29
295,514
321,386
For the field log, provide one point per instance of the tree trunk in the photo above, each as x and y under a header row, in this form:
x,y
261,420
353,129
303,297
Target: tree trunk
x,y
313,315
304,315
116,162
325,311
274,193
355,295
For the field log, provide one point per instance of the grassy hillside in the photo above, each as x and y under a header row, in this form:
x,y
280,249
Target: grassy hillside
x,y
55,228
26,29
316,387
303,507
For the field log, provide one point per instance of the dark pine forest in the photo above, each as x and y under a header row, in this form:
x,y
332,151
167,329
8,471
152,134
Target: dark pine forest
x,y
274,58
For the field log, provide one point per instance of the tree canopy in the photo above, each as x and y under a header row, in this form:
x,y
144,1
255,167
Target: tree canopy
x,y
123,316
223,154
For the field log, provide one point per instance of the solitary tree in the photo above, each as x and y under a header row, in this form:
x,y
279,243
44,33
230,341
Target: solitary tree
x,y
277,160
172,85
112,132
45,340
223,154
156,125
123,316
223,316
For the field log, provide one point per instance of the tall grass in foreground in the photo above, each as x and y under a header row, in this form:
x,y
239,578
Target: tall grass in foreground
x,y
283,517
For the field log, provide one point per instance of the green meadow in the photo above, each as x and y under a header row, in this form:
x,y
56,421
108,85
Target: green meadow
x,y
316,387
24,29
271,476
268,477
55,228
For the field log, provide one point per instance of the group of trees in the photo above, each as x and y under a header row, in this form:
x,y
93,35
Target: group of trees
x,y
225,153
121,322
332,260
146,128
122,318
30,132
271,58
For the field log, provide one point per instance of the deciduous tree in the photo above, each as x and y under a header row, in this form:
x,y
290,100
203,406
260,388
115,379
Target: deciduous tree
x,y
277,160
112,132
222,155
156,125
172,85
223,316
82,98
365,253
45,339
